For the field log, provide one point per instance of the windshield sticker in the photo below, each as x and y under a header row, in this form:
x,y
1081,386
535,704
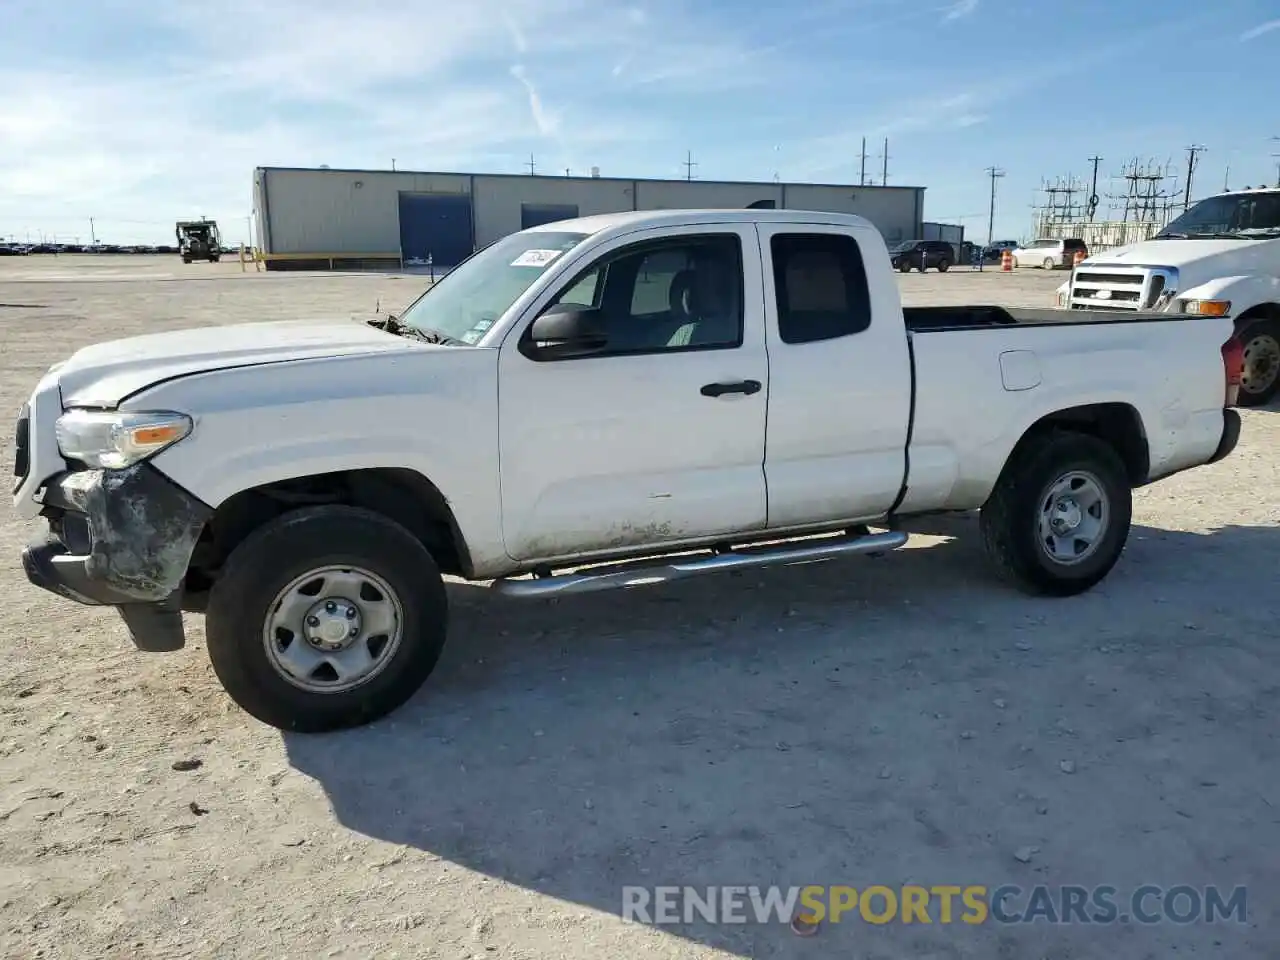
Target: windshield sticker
x,y
471,336
535,258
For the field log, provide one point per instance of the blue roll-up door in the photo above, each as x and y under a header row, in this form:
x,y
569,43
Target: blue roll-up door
x,y
536,214
436,225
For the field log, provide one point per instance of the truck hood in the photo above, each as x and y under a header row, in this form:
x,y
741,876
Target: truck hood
x,y
105,374
1194,258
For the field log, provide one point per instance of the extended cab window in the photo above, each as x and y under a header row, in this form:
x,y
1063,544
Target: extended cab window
x,y
821,286
667,295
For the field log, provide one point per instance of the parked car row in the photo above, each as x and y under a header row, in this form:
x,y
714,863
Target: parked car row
x,y
11,249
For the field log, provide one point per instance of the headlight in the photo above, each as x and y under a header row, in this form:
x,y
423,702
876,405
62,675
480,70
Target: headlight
x,y
105,440
1207,308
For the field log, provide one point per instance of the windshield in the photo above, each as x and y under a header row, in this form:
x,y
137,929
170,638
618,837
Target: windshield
x,y
470,298
1239,215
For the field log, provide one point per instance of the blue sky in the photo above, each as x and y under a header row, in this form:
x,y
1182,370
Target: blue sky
x,y
139,113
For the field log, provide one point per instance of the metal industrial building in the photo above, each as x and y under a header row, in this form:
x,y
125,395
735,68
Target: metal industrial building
x,y
310,218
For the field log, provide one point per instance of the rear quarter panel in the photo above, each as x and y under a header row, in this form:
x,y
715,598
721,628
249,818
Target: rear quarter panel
x,y
967,421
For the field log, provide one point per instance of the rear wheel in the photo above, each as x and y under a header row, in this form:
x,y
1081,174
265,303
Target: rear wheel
x,y
1261,376
326,618
1059,516
1049,263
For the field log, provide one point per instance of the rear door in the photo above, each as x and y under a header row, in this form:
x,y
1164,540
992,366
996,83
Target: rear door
x,y
659,437
839,375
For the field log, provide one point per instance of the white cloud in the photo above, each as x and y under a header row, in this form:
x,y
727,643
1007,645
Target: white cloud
x,y
140,141
959,9
546,121
1259,30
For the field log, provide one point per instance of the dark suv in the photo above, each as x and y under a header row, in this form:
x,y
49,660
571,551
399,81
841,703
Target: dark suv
x,y
923,254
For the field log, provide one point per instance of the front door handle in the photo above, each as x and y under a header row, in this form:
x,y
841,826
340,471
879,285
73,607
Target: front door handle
x,y
742,386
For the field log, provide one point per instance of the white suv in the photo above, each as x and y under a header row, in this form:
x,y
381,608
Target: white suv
x,y
1049,254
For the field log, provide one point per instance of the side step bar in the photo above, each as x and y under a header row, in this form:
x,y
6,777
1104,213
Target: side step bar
x,y
591,579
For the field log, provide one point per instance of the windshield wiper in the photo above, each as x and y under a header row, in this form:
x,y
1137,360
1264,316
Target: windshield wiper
x,y
391,323
1218,235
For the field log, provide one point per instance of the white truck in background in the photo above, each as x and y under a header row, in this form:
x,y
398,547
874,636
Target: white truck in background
x,y
590,404
1219,259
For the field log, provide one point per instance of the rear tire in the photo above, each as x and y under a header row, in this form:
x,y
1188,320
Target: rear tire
x,y
291,581
1058,518
1261,378
1049,263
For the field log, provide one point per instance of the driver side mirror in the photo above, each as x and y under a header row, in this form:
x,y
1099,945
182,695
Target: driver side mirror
x,y
565,330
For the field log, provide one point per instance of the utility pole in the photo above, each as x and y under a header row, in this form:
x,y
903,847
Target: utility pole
x,y
995,173
862,177
393,163
689,164
93,237
1191,172
884,179
1092,205
531,165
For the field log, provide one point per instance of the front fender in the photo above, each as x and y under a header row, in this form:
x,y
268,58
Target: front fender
x,y
435,413
1244,292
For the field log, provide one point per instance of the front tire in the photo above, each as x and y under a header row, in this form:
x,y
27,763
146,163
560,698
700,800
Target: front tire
x,y
326,618
944,266
1059,516
1261,376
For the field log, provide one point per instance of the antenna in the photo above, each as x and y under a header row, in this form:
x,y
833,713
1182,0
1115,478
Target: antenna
x,y
689,164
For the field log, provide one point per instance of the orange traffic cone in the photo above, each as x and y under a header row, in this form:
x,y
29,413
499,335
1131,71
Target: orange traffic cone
x,y
1006,261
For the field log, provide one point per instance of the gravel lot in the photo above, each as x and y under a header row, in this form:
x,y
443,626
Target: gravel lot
x,y
904,719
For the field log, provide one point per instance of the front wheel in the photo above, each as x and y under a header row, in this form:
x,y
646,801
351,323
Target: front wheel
x,y
1260,378
1059,516
326,618
944,266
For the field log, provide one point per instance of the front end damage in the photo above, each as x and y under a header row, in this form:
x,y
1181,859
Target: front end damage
x,y
121,538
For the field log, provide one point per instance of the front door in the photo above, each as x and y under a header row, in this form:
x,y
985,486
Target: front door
x,y
641,444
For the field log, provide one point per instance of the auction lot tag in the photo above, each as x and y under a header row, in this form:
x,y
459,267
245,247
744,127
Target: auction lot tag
x,y
535,258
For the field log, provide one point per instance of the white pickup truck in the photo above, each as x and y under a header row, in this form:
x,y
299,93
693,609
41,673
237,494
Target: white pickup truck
x,y
595,403
1219,259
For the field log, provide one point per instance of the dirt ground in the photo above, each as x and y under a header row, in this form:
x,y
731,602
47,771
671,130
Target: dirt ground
x,y
905,719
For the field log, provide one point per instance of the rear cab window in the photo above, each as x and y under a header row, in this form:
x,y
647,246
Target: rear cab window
x,y
820,286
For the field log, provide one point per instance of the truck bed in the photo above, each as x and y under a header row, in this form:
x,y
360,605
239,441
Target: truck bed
x,y
973,393
967,317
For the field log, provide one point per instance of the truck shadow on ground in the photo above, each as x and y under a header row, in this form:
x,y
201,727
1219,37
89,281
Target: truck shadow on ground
x,y
828,723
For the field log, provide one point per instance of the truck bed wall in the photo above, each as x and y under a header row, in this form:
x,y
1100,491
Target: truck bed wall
x,y
978,390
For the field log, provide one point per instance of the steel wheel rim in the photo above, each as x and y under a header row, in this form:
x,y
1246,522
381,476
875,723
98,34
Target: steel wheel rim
x,y
1073,518
1261,364
301,631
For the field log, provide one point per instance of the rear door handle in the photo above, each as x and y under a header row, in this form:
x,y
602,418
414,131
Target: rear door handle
x,y
742,386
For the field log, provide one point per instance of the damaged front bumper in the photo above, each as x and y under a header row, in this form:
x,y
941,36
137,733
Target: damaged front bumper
x,y
121,538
